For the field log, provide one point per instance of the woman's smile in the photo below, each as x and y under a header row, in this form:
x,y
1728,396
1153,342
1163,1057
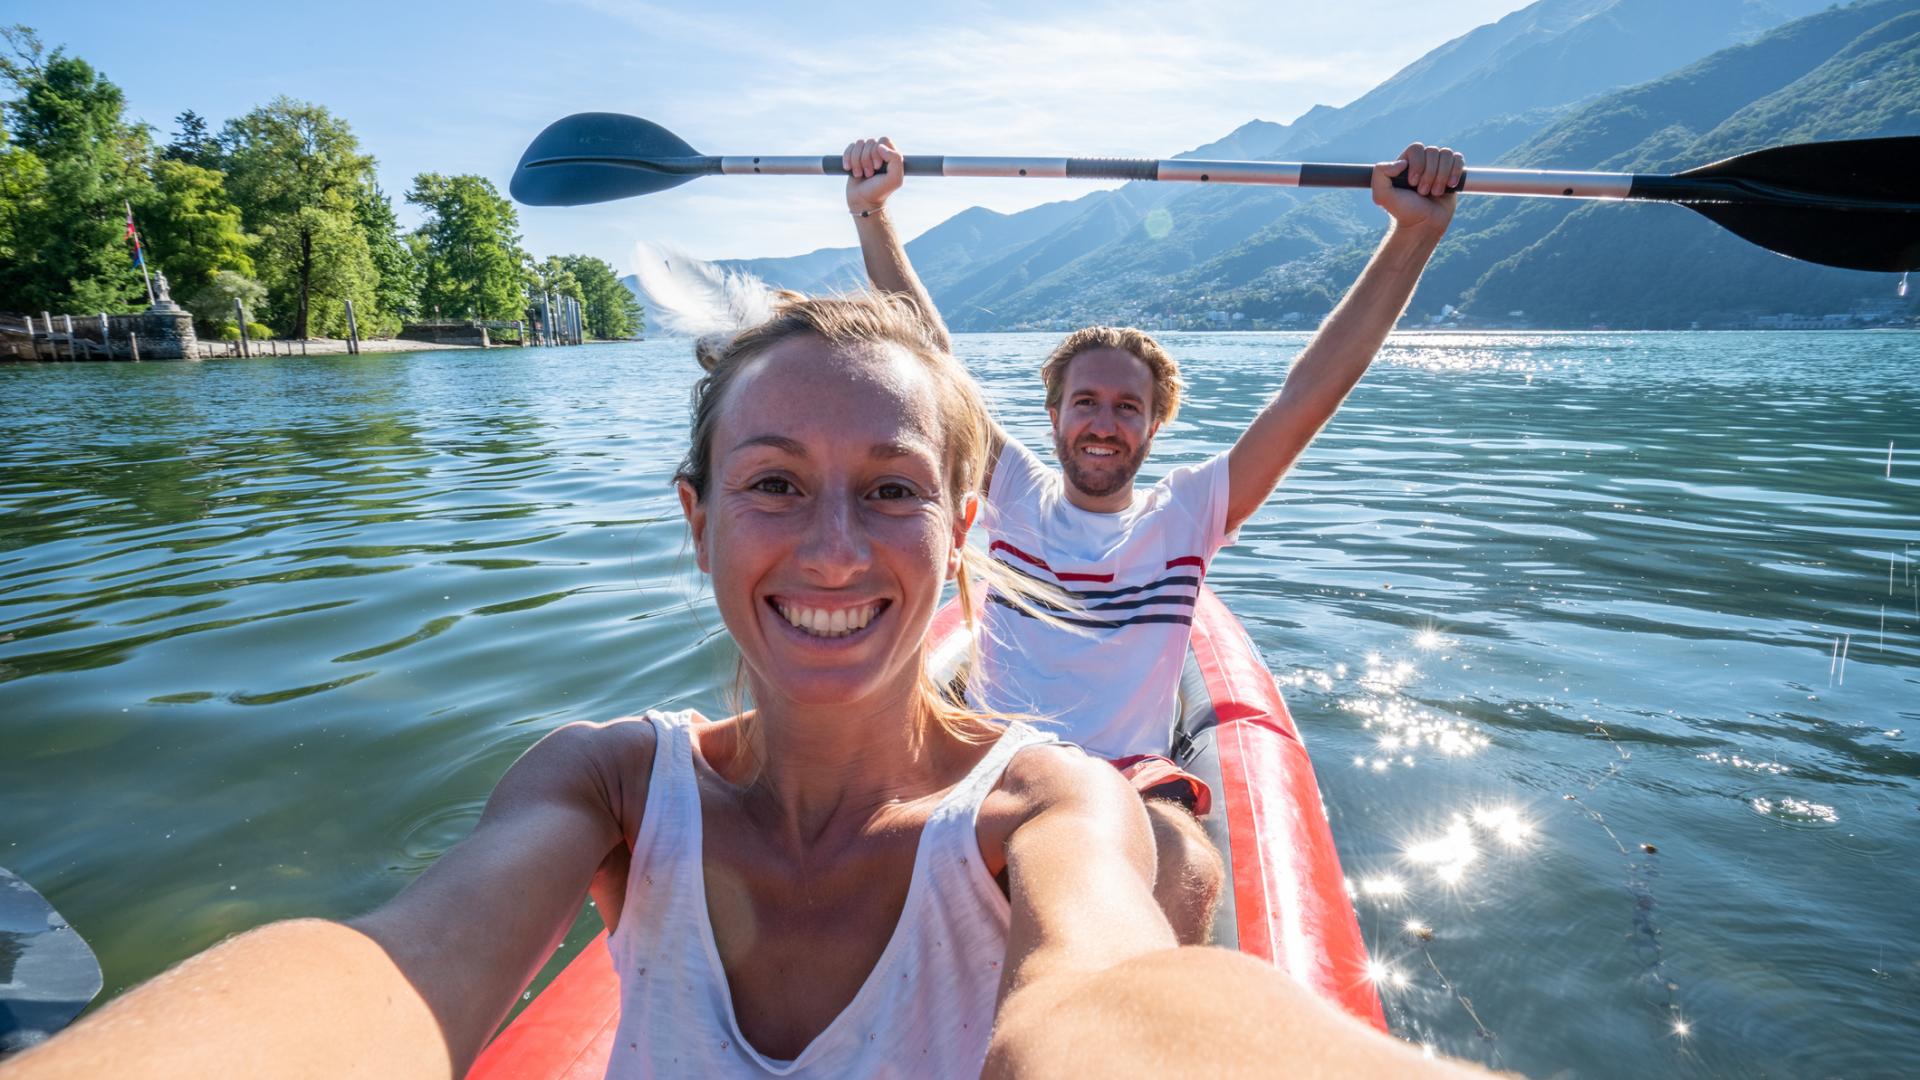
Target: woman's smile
x,y
828,622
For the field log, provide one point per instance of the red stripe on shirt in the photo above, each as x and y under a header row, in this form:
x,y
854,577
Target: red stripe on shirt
x,y
1035,560
1187,560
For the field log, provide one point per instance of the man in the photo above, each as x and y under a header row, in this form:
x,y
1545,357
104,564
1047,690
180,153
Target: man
x,y
1131,559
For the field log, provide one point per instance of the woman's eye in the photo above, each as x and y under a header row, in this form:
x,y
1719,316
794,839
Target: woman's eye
x,y
773,485
893,491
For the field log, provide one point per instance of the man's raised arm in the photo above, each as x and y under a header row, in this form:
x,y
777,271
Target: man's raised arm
x,y
886,257
1339,354
888,270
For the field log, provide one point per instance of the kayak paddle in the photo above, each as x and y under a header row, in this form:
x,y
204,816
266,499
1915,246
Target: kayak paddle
x,y
1850,204
47,973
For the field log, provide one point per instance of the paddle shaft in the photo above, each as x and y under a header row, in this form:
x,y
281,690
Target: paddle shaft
x,y
1551,183
1587,185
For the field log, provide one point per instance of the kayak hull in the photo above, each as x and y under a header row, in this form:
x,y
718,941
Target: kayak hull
x,y
1287,902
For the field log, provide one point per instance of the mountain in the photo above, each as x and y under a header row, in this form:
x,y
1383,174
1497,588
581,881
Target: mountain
x,y
1592,84
1848,72
1486,92
1845,74
1549,53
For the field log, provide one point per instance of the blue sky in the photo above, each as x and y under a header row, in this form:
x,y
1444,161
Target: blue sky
x,y
461,88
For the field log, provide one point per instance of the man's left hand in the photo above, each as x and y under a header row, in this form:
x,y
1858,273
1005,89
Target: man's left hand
x,y
1434,172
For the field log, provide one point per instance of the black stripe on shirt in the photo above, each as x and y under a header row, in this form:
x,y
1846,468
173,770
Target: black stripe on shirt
x,y
1102,624
1106,594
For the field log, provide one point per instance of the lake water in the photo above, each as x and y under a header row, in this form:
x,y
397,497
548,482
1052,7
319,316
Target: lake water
x,y
271,629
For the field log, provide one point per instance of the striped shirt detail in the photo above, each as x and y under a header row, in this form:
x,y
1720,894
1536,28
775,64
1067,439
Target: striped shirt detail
x,y
1097,600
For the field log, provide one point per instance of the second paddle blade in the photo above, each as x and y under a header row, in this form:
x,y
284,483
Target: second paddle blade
x,y
1878,240
597,157
47,973
1850,188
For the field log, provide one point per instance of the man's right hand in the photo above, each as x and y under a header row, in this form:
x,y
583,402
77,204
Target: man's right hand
x,y
867,187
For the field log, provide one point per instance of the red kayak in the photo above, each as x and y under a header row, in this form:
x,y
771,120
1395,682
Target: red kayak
x,y
1288,903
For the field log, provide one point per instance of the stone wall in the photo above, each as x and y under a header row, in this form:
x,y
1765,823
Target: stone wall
x,y
446,334
163,335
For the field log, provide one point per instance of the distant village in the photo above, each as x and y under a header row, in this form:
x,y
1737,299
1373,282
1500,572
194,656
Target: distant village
x,y
1882,313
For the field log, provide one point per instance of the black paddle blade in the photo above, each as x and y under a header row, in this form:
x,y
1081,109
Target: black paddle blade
x,y
1849,239
1853,203
47,973
597,157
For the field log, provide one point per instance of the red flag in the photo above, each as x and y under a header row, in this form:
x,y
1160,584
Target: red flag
x,y
129,235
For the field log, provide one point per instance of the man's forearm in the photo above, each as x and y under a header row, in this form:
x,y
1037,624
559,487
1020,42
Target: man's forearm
x,y
889,270
1339,354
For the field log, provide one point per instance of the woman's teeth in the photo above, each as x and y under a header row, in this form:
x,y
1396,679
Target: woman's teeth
x,y
832,624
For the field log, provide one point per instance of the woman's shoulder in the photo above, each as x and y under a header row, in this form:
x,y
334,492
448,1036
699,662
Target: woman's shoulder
x,y
621,740
606,764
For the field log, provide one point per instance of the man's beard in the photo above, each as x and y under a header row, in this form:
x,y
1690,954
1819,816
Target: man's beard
x,y
1102,480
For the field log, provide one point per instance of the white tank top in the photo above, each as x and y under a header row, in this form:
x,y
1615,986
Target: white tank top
x,y
926,1009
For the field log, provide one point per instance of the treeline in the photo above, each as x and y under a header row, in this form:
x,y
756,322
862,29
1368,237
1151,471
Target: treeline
x,y
278,209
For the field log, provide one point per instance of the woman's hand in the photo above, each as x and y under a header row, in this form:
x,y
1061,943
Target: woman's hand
x,y
867,187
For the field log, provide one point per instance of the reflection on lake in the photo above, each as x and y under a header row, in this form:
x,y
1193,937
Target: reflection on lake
x,y
1604,646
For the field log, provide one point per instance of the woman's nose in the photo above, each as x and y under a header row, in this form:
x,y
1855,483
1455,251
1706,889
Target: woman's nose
x,y
835,549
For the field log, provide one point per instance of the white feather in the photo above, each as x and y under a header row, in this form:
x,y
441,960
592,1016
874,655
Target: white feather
x,y
696,298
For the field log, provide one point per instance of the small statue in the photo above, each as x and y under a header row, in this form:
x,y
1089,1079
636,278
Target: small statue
x,y
160,287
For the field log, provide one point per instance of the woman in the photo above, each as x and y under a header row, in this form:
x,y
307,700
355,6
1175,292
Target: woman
x,y
852,878
838,844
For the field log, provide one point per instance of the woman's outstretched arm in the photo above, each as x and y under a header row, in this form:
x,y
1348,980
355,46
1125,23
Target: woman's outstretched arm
x,y
1093,985
413,989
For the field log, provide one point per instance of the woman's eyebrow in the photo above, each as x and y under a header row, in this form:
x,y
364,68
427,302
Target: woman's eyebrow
x,y
777,442
889,450
879,452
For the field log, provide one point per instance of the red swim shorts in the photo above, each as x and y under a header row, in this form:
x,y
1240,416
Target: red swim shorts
x,y
1155,777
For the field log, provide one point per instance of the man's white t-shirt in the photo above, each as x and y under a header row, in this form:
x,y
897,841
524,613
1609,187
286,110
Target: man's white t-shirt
x,y
1132,577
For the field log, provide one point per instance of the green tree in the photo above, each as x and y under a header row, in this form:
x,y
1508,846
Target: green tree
x,y
296,172
397,292
554,275
67,240
23,181
192,142
611,309
470,249
212,304
193,231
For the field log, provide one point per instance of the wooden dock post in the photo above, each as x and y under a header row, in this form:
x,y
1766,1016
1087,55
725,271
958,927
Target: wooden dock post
x,y
133,344
240,316
353,331
106,339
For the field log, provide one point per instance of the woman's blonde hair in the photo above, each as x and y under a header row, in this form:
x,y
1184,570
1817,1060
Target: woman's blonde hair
x,y
869,319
